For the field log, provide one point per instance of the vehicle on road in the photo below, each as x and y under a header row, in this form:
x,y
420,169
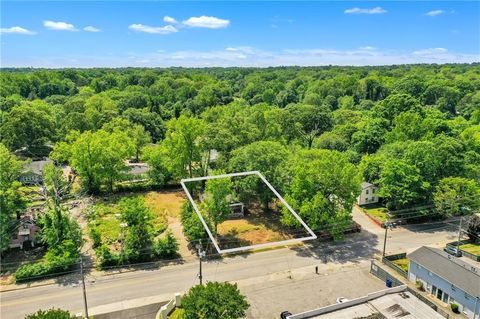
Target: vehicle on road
x,y
285,314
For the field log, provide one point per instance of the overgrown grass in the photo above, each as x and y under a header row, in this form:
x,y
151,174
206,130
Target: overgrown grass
x,y
471,248
378,212
402,263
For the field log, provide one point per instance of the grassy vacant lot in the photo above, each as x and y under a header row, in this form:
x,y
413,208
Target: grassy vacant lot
x,y
402,263
472,248
257,227
378,212
162,205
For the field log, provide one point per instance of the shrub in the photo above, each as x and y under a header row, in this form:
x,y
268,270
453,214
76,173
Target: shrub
x,y
420,285
95,236
105,257
50,314
192,226
166,247
454,307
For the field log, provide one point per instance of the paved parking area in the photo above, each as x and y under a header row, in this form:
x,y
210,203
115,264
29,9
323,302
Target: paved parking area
x,y
268,297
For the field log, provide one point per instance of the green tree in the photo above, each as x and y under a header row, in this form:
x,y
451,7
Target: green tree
x,y
157,158
321,186
218,194
457,195
50,314
214,301
401,184
11,199
29,124
183,144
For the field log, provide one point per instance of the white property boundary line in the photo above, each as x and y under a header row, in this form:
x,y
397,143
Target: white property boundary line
x,y
231,250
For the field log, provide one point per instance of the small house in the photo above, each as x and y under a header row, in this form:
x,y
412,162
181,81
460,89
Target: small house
x,y
32,173
26,232
369,194
449,279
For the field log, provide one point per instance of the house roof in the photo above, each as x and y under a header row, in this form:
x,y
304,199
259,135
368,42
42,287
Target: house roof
x,y
36,166
138,168
456,271
367,184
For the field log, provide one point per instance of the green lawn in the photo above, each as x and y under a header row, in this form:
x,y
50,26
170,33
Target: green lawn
x,y
377,212
471,248
402,263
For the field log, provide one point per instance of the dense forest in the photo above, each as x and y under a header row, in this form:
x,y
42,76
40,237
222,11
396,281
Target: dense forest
x,y
316,132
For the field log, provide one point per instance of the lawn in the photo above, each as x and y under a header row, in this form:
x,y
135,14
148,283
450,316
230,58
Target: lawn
x,y
471,248
378,212
402,263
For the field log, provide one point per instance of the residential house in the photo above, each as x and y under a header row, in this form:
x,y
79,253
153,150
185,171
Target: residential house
x,y
447,278
32,173
369,194
26,232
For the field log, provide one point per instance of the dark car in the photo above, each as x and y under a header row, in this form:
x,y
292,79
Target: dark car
x,y
285,314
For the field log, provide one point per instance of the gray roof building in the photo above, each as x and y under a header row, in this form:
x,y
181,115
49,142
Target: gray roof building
x,y
454,270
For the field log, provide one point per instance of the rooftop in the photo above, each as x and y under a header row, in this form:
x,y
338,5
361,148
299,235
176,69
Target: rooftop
x,y
36,166
391,303
456,271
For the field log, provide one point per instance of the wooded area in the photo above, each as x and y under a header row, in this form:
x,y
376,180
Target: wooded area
x,y
316,132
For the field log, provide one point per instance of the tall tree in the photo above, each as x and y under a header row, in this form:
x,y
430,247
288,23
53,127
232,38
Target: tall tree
x,y
215,205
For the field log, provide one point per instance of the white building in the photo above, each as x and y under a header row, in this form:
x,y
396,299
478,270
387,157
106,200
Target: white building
x,y
369,194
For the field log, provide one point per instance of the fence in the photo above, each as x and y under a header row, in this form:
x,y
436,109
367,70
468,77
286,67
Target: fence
x,y
379,272
389,261
464,253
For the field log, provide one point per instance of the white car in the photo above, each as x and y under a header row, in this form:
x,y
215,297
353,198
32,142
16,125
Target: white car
x,y
341,299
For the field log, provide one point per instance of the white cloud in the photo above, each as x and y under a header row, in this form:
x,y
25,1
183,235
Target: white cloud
x,y
430,51
90,28
154,30
368,48
58,25
169,20
207,22
434,13
253,57
16,30
376,10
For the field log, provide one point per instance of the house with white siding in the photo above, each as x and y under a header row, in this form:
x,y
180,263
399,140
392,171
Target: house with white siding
x,y
369,194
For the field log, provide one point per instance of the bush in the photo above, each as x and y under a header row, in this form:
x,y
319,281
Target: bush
x,y
454,307
95,236
105,257
192,226
420,285
166,247
50,314
57,260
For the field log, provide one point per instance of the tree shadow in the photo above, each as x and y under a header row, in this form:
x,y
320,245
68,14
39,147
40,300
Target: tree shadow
x,y
355,247
433,227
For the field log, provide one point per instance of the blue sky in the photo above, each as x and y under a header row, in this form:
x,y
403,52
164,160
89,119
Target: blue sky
x,y
121,33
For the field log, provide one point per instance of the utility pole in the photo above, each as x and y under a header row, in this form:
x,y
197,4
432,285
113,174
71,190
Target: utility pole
x,y
201,254
459,235
83,286
387,226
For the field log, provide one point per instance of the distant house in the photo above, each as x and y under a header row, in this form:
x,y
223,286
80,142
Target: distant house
x,y
136,172
32,173
26,232
369,194
447,278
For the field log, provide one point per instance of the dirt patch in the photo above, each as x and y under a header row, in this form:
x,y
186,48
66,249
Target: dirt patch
x,y
168,204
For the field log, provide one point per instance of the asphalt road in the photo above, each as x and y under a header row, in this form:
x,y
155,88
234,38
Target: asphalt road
x,y
259,269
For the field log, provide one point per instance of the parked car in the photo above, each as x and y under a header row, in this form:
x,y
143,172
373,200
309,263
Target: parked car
x,y
285,314
453,251
341,299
